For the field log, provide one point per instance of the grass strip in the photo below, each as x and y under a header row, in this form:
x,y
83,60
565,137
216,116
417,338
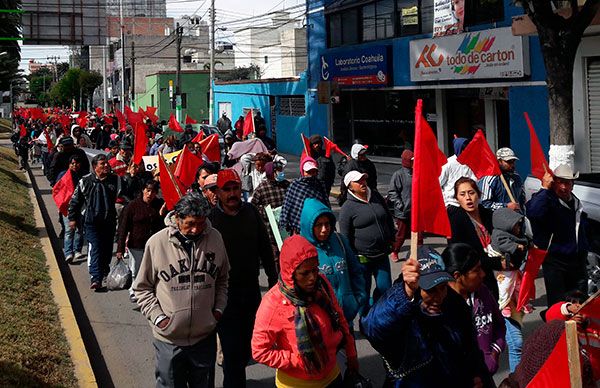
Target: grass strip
x,y
33,349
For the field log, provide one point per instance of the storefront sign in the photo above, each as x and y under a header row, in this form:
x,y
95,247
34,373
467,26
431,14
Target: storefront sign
x,y
448,17
367,67
494,53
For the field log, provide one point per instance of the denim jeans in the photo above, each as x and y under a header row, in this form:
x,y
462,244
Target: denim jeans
x,y
514,341
135,259
100,238
379,269
73,240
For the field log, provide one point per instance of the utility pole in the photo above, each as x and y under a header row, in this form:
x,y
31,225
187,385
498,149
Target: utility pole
x,y
178,107
133,74
104,79
54,60
211,94
122,55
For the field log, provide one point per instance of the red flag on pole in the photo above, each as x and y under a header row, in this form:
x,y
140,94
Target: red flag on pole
x,y
171,189
211,148
133,117
539,164
535,258
248,123
332,147
151,113
555,371
174,124
63,191
22,131
49,143
82,121
141,142
479,157
428,210
121,120
186,167
198,137
306,144
189,120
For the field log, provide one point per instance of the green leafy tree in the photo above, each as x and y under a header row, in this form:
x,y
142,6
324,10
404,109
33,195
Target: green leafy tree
x,y
40,83
10,53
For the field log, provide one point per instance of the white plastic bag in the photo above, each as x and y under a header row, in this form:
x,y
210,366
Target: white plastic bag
x,y
119,276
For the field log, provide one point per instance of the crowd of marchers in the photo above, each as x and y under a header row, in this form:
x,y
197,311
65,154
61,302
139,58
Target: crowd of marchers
x,y
195,265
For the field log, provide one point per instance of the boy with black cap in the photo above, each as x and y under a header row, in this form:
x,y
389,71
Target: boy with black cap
x,y
423,329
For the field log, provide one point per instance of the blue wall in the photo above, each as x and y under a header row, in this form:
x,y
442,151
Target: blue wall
x,y
534,101
256,95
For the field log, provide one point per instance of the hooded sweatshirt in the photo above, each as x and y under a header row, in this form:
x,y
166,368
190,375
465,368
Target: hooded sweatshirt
x,y
274,341
185,289
503,239
337,260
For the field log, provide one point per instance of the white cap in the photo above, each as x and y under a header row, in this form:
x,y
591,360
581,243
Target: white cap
x,y
506,154
356,150
353,176
309,165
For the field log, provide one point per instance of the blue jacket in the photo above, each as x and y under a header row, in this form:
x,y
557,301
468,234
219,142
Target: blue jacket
x,y
550,216
425,351
337,260
494,195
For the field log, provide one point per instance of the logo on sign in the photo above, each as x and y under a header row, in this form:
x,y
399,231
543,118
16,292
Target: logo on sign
x,y
426,58
324,69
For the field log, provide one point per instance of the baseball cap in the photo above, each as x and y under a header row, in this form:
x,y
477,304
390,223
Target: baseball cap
x,y
353,176
226,176
357,149
433,269
309,165
210,181
506,154
66,140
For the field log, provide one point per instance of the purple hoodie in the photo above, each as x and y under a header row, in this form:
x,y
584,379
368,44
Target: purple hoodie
x,y
489,324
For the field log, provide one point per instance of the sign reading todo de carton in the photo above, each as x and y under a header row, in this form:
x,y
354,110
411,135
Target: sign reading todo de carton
x,y
365,67
494,53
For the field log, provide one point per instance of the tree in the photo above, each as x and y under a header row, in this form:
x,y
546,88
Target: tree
x,y
239,73
559,40
89,81
40,82
67,89
10,28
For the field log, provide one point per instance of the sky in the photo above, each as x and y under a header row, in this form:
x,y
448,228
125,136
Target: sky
x,y
227,11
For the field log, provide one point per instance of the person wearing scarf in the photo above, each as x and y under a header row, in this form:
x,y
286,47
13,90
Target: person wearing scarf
x,y
300,326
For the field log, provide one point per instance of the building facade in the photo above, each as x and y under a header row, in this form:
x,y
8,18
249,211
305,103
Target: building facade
x,y
374,59
140,8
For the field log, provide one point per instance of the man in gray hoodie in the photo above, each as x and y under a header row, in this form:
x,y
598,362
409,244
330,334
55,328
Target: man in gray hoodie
x,y
181,288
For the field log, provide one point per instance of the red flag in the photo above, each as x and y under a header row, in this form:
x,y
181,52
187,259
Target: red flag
x,y
332,147
37,114
307,148
120,119
211,148
133,117
189,120
151,113
248,123
82,121
198,137
65,121
63,191
99,112
479,157
535,258
428,211
22,131
539,164
186,167
555,371
174,124
49,143
141,141
171,189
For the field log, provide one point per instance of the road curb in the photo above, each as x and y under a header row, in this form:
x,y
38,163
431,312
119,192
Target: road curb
x,y
77,351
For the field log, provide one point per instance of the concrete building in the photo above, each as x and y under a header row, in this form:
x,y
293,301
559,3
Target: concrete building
x,y
143,8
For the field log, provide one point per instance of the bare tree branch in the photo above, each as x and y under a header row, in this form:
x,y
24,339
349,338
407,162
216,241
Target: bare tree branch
x,y
582,20
542,15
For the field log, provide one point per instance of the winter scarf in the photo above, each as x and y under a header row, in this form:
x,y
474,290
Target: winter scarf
x,y
310,341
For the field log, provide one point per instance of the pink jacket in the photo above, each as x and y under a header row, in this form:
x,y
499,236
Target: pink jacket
x,y
274,338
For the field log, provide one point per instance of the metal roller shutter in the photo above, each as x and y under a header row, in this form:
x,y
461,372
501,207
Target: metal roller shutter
x,y
593,99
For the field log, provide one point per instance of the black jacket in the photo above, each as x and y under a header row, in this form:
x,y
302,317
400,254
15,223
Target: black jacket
x,y
463,231
60,162
94,204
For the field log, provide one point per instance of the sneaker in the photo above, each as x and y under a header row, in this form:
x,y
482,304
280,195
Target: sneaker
x,y
95,285
394,257
79,255
69,259
132,298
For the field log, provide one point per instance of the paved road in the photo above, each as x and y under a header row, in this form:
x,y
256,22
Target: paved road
x,y
118,338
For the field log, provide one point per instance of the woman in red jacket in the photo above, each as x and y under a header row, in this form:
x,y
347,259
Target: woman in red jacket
x,y
299,325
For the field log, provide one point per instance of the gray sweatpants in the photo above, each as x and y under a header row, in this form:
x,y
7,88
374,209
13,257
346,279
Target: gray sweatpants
x,y
186,366
135,260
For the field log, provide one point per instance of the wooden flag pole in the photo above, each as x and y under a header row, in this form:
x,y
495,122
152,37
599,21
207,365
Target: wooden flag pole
x,y
507,188
304,144
414,239
573,354
171,175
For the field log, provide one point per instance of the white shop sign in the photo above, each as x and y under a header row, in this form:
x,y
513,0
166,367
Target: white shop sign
x,y
494,53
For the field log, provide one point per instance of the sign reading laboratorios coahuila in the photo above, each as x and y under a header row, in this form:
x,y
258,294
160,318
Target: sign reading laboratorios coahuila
x,y
494,53
366,67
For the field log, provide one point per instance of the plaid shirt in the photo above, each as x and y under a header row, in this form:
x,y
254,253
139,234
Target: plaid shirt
x,y
269,193
300,189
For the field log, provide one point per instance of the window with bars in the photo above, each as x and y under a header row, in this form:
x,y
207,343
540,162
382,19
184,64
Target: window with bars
x,y
292,106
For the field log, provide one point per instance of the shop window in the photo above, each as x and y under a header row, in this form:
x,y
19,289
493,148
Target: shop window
x,y
426,16
368,22
292,106
407,17
343,28
483,11
335,30
385,19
